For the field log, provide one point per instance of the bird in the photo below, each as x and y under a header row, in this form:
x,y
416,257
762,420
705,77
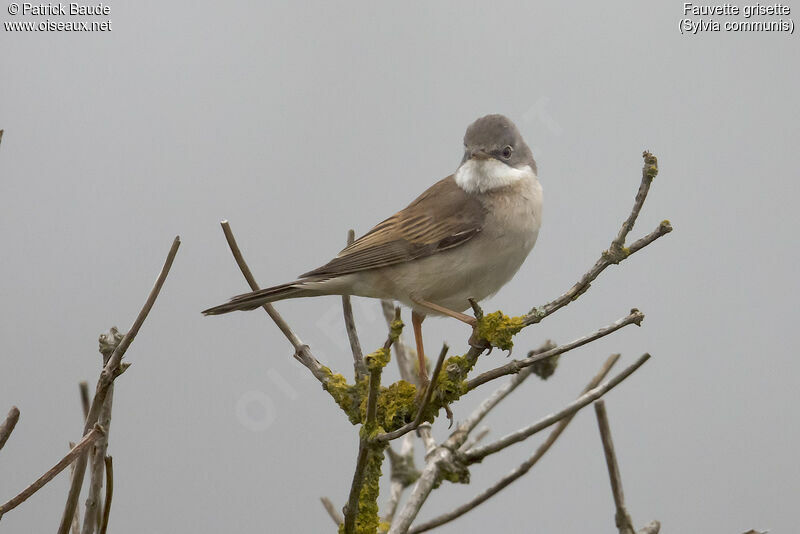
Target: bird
x,y
463,238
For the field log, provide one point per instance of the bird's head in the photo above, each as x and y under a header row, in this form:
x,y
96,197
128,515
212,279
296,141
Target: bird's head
x,y
495,155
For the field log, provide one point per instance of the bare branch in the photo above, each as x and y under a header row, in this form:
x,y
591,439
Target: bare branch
x,y
622,518
350,326
515,366
498,395
76,519
109,462
521,470
332,511
107,376
616,252
95,433
404,363
403,474
302,351
474,440
426,399
8,425
478,454
426,436
93,508
365,443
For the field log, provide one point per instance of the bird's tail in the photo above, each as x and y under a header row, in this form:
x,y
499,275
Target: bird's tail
x,y
251,301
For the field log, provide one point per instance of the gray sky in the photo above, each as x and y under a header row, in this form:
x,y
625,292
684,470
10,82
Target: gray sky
x,y
297,122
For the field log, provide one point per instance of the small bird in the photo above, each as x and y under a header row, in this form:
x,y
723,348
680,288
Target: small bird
x,y
464,238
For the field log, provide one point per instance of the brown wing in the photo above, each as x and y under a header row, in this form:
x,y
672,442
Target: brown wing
x,y
441,218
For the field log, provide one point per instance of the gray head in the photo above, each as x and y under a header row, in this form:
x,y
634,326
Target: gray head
x,y
495,136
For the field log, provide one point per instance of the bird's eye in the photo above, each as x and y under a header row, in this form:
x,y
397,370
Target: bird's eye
x,y
507,152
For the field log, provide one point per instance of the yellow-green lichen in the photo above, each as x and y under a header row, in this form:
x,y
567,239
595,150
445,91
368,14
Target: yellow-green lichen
x,y
377,360
367,519
498,329
347,396
651,165
396,405
395,329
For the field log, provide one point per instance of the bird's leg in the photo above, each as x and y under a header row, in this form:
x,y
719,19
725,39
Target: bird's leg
x,y
447,311
416,321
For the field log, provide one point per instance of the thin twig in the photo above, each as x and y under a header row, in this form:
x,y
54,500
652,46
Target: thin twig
x,y
364,443
622,518
109,461
95,433
426,399
302,351
8,425
518,472
479,453
107,376
425,434
350,326
634,317
469,424
403,474
616,252
474,440
332,511
93,505
404,363
76,519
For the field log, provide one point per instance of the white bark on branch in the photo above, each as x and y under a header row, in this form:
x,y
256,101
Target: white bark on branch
x,y
518,472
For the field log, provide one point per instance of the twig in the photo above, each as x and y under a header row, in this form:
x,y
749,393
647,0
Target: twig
x,y
76,519
474,440
350,326
622,518
331,509
109,461
426,436
426,399
95,433
302,351
107,376
469,424
404,363
8,425
521,470
478,454
364,442
91,514
403,474
616,252
634,317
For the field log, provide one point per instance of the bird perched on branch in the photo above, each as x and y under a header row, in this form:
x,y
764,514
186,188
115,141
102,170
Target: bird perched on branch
x,y
464,238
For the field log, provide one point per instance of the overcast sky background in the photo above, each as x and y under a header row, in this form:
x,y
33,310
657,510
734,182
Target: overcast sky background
x,y
298,121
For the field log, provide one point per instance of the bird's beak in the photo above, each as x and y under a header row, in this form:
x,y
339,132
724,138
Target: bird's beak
x,y
480,155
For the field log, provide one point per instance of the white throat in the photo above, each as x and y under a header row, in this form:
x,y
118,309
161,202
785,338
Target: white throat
x,y
479,176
